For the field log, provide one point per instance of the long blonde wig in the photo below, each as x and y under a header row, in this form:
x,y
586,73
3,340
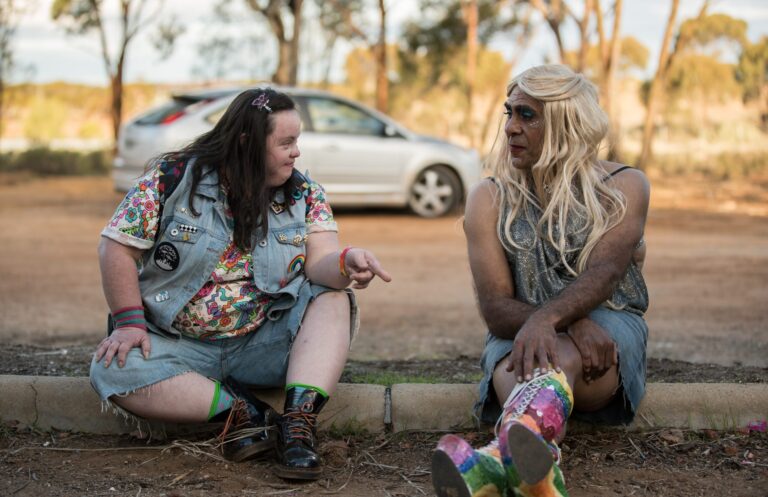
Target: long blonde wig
x,y
565,184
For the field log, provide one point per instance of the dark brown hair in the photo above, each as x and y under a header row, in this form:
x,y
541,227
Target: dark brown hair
x,y
236,148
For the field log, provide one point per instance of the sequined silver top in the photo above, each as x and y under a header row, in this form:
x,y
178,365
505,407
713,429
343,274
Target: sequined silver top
x,y
539,275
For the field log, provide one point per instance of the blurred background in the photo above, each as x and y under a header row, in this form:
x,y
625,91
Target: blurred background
x,y
685,83
681,79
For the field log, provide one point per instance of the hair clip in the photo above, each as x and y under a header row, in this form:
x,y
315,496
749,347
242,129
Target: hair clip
x,y
261,102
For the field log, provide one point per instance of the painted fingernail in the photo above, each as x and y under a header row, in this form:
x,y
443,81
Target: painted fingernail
x,y
519,379
527,377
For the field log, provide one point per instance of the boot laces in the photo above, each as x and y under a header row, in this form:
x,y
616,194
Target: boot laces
x,y
238,424
522,396
298,425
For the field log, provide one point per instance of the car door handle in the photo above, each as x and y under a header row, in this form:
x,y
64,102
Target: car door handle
x,y
332,148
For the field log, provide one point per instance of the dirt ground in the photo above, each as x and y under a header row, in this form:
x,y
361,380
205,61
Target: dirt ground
x,y
707,273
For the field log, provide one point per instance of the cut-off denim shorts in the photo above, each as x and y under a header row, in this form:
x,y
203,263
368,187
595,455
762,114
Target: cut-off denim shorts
x,y
259,359
630,333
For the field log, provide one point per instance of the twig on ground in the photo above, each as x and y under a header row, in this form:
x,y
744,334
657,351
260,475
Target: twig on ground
x,y
422,492
642,456
349,478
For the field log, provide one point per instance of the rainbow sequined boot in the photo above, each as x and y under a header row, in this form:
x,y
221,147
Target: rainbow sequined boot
x,y
458,470
533,420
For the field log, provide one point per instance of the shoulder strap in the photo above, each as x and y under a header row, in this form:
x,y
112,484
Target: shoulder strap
x,y
614,173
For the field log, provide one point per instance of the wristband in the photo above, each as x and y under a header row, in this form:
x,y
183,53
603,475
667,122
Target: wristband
x,y
130,316
342,262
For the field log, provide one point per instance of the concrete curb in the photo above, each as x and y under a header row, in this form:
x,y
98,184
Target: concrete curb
x,y
67,403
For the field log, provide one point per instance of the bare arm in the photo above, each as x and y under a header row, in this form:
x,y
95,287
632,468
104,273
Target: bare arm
x,y
323,267
119,277
605,267
608,261
120,281
503,314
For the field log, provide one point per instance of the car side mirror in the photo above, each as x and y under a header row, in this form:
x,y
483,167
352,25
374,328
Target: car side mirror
x,y
390,131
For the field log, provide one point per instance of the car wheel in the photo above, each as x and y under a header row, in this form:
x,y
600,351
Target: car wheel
x,y
436,192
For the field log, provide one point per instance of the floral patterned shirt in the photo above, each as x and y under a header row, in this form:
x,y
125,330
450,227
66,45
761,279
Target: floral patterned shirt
x,y
229,303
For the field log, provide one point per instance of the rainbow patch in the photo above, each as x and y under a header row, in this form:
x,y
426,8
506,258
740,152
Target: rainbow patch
x,y
297,263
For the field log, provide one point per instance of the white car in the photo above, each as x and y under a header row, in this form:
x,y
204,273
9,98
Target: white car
x,y
360,156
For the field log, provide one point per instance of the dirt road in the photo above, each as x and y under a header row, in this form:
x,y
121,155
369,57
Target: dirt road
x,y
707,275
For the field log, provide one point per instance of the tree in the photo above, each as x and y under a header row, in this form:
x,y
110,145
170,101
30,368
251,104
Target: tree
x,y
10,12
278,13
436,55
752,73
341,17
469,10
610,52
556,12
694,65
657,85
85,16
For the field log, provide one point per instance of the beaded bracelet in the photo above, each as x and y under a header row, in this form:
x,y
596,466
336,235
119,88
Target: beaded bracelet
x,y
130,316
342,262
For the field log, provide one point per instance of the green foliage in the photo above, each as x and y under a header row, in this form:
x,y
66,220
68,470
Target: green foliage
x,y
703,76
45,120
350,428
388,378
77,16
752,70
714,27
436,44
46,162
633,55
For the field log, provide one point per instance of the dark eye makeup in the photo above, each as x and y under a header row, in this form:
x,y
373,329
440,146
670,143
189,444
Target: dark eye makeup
x,y
525,112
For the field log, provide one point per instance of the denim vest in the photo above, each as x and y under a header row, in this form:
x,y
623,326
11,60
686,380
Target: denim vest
x,y
188,247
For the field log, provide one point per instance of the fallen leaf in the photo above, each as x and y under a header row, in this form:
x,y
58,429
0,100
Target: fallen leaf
x,y
731,451
672,436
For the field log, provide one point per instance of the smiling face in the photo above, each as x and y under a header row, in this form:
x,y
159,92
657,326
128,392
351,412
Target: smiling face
x,y
524,128
282,147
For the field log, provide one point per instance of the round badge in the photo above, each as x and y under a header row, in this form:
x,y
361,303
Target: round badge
x,y
166,257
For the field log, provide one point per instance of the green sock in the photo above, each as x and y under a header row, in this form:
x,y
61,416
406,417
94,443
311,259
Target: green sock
x,y
301,387
222,400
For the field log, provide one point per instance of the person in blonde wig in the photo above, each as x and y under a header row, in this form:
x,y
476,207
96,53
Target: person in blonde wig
x,y
555,242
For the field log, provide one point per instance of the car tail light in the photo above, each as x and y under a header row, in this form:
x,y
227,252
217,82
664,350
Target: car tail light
x,y
172,117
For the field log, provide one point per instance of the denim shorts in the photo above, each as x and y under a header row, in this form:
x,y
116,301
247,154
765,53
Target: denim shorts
x,y
630,333
259,358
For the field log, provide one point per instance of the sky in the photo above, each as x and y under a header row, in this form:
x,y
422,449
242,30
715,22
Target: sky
x,y
45,53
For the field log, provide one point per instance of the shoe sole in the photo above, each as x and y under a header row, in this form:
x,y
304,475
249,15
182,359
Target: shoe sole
x,y
298,473
532,458
446,478
252,451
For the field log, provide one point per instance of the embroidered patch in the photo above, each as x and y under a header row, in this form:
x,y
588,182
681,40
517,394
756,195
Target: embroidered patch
x,y
166,257
297,263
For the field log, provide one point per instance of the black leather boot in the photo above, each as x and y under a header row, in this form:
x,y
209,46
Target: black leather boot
x,y
251,427
297,444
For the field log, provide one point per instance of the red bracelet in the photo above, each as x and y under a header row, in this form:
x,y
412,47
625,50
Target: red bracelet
x,y
342,262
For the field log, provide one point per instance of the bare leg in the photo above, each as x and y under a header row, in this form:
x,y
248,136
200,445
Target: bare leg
x,y
320,350
587,396
183,399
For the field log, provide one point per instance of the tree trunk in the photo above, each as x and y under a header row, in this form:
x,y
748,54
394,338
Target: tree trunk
x,y
116,86
657,87
584,29
470,17
293,69
382,82
609,82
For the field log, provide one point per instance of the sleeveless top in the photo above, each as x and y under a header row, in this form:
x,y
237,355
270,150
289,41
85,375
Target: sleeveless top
x,y
539,275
